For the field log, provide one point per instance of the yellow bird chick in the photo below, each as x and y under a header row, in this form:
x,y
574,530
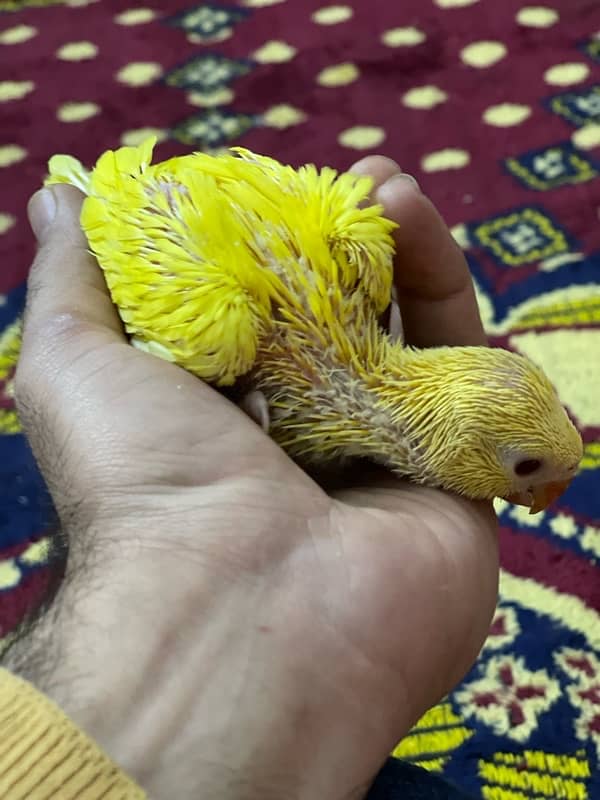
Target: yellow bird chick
x,y
247,272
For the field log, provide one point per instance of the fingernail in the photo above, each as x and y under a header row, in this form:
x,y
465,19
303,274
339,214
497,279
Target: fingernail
x,y
402,176
41,210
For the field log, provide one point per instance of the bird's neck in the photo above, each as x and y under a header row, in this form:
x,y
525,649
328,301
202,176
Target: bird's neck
x,y
329,405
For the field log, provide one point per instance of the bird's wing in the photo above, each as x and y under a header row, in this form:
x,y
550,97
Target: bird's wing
x,y
315,228
176,263
358,236
327,209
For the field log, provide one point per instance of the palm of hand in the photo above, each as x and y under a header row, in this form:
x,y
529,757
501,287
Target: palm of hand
x,y
355,598
303,628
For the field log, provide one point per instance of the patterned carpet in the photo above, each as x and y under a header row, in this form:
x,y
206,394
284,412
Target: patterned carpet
x,y
495,107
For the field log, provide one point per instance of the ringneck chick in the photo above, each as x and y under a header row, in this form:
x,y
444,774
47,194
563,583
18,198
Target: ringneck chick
x,y
247,272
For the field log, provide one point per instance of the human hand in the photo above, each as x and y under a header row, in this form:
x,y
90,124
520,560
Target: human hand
x,y
227,629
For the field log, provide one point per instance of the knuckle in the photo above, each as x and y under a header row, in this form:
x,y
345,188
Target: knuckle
x,y
58,326
36,276
24,387
48,335
22,394
45,354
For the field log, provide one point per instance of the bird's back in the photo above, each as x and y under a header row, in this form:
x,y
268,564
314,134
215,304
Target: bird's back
x,y
202,253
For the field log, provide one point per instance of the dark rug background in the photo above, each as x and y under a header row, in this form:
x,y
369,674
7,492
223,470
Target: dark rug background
x,y
495,108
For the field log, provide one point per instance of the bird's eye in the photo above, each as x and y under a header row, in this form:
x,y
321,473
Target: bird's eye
x,y
527,467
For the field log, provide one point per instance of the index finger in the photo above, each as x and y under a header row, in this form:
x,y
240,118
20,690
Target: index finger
x,y
435,289
433,283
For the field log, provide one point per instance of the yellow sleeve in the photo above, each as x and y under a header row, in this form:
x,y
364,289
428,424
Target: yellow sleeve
x,y
43,755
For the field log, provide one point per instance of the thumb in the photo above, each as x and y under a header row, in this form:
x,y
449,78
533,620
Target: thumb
x,y
68,315
65,282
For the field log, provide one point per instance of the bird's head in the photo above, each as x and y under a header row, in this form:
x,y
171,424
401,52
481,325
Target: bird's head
x,y
485,423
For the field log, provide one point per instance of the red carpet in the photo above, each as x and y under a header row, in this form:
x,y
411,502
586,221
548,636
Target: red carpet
x,y
495,108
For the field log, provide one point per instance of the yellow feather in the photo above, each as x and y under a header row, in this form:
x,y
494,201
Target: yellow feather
x,y
66,169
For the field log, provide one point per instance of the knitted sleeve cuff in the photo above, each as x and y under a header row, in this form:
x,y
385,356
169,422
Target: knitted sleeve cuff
x,y
43,755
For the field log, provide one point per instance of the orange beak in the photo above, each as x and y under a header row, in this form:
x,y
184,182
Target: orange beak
x,y
539,498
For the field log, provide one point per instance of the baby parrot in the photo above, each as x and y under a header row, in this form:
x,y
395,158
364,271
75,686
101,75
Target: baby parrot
x,y
250,273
